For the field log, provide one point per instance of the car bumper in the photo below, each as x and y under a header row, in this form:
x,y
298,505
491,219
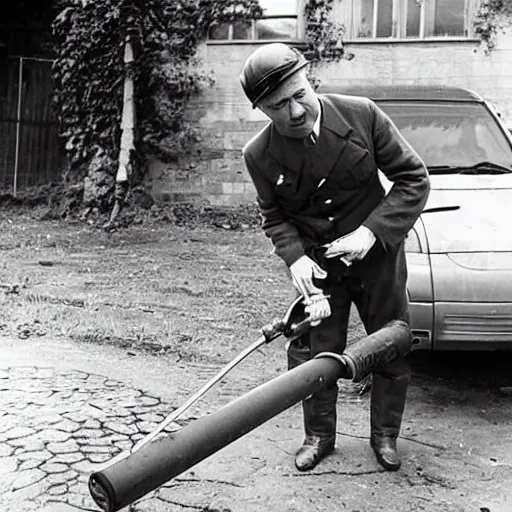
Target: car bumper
x,y
462,325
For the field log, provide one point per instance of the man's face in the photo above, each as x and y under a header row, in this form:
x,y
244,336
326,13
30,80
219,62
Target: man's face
x,y
293,107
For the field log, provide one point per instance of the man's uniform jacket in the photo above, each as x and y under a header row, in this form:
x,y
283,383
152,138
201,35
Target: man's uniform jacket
x,y
311,195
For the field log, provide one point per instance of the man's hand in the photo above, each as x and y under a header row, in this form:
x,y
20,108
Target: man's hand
x,y
317,308
303,271
351,247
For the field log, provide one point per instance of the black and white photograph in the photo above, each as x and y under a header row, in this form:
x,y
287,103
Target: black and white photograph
x,y
256,256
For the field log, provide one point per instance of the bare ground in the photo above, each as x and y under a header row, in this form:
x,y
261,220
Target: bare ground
x,y
191,299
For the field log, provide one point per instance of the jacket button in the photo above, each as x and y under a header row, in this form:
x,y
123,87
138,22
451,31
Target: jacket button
x,y
328,201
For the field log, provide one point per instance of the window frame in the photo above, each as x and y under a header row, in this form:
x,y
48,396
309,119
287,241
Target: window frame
x,y
299,36
398,28
426,25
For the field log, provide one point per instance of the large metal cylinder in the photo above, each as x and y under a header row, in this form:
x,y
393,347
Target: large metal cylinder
x,y
377,349
157,462
128,479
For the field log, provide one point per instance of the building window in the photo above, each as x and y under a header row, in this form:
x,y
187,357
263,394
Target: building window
x,y
280,21
401,19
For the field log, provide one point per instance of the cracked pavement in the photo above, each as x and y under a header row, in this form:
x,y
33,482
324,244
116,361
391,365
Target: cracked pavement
x,y
57,424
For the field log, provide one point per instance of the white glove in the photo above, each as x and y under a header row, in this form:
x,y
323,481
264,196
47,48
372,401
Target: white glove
x,y
303,270
351,247
317,308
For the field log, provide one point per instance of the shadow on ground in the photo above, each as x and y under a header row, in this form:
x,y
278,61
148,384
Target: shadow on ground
x,y
466,370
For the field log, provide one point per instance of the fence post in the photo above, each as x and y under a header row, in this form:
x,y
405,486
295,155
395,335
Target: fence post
x,y
18,128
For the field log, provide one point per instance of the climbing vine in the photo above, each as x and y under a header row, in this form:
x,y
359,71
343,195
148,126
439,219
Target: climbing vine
x,y
323,35
89,38
492,16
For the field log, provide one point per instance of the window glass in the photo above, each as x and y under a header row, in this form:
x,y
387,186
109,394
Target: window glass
x,y
273,7
276,28
413,18
242,30
384,18
449,18
450,133
218,32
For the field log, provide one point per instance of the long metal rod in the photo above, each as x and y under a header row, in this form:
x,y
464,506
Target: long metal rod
x,y
270,332
198,394
18,128
117,485
174,415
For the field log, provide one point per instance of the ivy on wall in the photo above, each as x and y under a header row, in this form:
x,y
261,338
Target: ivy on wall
x,y
324,36
492,16
89,38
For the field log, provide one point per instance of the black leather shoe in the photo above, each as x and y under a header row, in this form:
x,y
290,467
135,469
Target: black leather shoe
x,y
385,451
313,450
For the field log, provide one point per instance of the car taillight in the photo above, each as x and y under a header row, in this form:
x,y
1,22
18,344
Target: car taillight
x,y
412,242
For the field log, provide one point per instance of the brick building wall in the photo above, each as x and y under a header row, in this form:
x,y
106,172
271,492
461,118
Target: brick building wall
x,y
226,120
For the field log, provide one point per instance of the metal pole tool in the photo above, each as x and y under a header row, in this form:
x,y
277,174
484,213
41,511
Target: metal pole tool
x,y
291,326
285,326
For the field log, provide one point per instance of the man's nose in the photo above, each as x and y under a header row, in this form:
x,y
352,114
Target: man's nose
x,y
296,109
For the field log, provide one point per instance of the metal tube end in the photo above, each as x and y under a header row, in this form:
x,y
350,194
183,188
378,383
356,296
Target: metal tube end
x,y
100,493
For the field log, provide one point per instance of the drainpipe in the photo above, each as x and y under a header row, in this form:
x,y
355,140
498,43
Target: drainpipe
x,y
127,147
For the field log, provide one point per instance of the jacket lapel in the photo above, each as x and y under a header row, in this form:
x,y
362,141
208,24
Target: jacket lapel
x,y
288,152
334,135
289,170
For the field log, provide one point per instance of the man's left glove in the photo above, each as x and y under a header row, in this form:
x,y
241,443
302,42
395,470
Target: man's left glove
x,y
351,247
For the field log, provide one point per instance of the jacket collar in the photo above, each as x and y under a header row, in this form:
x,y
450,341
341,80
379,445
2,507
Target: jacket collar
x,y
287,151
332,119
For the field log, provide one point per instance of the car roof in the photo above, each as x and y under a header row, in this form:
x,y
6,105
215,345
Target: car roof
x,y
404,92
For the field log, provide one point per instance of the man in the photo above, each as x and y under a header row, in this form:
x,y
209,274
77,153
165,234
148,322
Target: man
x,y
315,169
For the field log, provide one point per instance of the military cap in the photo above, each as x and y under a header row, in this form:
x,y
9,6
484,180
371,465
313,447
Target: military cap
x,y
267,68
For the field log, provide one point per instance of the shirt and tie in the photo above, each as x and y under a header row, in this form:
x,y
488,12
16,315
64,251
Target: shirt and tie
x,y
312,138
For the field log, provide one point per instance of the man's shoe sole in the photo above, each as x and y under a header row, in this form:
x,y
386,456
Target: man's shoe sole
x,y
326,451
387,465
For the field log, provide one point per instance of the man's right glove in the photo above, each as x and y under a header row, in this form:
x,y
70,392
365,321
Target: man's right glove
x,y
317,308
303,271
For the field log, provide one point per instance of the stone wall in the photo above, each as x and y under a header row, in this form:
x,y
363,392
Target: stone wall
x,y
227,121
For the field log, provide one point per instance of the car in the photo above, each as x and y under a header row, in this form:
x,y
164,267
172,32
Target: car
x,y
459,253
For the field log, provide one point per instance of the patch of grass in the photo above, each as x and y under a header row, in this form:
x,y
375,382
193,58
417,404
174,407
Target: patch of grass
x,y
198,294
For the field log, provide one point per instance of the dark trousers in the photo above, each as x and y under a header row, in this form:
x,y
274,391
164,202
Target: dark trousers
x,y
376,285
